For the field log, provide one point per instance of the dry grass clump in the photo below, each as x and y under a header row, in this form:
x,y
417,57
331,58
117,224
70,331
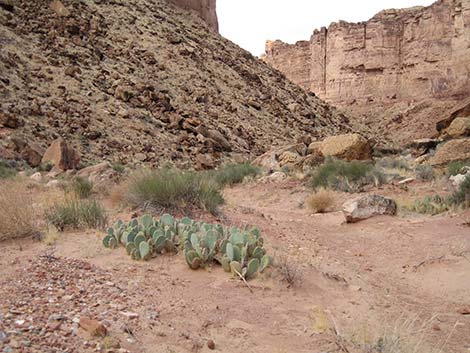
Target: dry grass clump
x,y
18,217
321,201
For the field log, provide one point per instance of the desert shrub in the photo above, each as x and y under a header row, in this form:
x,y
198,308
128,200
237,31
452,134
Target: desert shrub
x,y
45,166
82,187
321,201
118,167
77,214
230,174
346,176
173,189
289,271
455,167
431,205
6,171
393,163
425,172
18,217
462,195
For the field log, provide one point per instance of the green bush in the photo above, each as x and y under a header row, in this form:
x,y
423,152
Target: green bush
x,y
6,171
77,214
393,163
82,187
425,172
455,167
431,205
173,189
346,176
46,166
230,174
118,167
462,195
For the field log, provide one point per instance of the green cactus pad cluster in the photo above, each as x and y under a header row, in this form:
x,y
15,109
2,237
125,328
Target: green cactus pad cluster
x,y
239,251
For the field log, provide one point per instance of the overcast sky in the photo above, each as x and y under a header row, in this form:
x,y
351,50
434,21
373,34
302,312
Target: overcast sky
x,y
249,23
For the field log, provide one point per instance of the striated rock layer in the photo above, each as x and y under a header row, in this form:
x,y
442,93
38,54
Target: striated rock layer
x,y
142,81
205,8
403,70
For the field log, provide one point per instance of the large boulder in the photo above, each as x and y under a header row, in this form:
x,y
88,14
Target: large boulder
x,y
267,161
347,147
61,155
368,206
460,127
98,174
453,150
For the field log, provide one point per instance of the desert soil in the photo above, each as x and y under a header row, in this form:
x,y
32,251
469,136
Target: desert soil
x,y
355,282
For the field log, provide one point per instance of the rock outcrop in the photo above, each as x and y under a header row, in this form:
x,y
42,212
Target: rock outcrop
x,y
403,70
206,9
368,206
143,81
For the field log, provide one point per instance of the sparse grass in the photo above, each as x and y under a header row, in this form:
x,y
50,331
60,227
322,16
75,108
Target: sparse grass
x,y
289,271
51,236
230,174
77,214
82,187
425,172
18,217
346,176
393,163
173,189
405,336
6,171
321,201
431,205
455,167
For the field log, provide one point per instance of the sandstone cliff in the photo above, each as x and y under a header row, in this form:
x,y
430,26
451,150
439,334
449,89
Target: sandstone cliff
x,y
401,70
140,80
204,8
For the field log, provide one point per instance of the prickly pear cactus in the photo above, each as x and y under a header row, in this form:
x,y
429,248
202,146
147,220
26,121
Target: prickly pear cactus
x,y
237,250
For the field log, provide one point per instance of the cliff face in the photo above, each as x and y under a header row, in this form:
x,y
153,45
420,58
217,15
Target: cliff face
x,y
399,58
204,8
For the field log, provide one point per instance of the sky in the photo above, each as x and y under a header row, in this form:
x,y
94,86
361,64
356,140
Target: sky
x,y
249,23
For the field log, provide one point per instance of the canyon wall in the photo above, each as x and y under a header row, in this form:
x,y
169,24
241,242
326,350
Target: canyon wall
x,y
204,8
399,57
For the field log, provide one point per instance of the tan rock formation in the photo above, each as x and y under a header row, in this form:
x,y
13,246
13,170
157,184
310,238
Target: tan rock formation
x,y
61,155
204,8
347,147
388,67
453,150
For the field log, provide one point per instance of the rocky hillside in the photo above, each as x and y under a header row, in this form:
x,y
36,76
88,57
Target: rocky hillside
x,y
403,70
141,80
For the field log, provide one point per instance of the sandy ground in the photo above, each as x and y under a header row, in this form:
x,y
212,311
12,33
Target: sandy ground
x,y
354,283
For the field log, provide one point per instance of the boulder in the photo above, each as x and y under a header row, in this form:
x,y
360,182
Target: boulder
x,y
98,173
458,179
59,8
453,150
368,206
32,154
289,159
267,161
460,127
347,147
61,155
11,121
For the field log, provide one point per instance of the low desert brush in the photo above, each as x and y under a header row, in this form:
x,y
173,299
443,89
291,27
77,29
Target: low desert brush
x,y
425,172
74,213
6,171
346,176
18,217
82,187
455,167
230,174
321,201
173,189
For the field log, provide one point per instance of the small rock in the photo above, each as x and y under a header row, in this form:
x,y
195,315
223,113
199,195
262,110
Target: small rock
x,y
129,314
59,8
211,344
3,337
406,181
93,327
37,177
